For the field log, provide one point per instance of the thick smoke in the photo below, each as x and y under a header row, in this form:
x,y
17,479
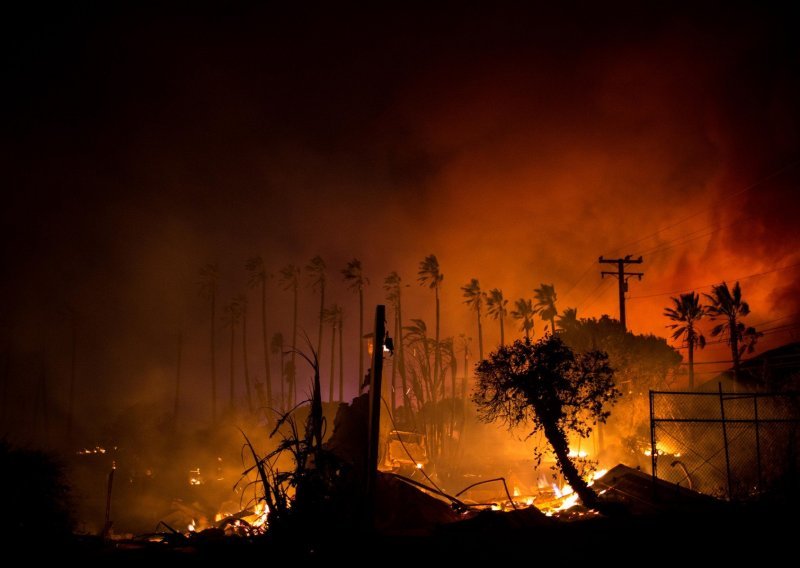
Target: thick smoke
x,y
518,147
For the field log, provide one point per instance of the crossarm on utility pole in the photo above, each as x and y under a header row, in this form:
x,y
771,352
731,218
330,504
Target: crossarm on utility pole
x,y
622,276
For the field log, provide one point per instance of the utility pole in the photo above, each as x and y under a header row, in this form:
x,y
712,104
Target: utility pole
x,y
622,276
373,434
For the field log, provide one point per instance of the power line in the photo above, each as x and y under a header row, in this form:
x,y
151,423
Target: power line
x,y
693,236
680,240
766,332
738,278
606,283
701,211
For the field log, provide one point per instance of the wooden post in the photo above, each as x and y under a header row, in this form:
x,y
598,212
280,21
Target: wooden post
x,y
376,376
107,524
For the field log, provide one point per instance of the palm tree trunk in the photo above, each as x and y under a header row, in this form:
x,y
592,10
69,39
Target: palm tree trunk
x,y
284,394
690,343
341,362
213,356
502,333
233,344
437,359
553,325
6,370
265,336
321,317
293,376
72,376
244,362
333,362
732,324
401,353
177,383
480,336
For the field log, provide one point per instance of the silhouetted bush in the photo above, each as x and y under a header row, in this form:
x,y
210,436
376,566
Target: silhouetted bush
x,y
34,496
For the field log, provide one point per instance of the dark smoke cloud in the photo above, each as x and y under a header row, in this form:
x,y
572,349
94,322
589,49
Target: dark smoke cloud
x,y
518,144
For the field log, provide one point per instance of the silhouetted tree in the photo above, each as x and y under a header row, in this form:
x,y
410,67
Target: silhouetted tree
x,y
393,284
276,346
341,355
421,346
178,363
333,316
547,386
430,275
290,279
209,276
354,275
233,315
545,296
523,311
640,363
242,300
687,311
257,278
474,298
496,307
463,347
316,273
727,305
568,319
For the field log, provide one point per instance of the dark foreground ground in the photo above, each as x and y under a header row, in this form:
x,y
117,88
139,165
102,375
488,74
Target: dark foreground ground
x,y
731,534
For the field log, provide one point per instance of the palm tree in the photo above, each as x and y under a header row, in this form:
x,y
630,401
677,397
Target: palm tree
x,y
416,337
258,279
392,284
474,299
333,316
242,300
496,307
209,276
233,312
354,274
523,310
727,305
686,312
178,362
430,275
463,346
568,319
276,346
316,273
545,305
341,355
290,279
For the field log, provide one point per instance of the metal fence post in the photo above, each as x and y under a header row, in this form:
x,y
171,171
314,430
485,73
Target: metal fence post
x,y
725,441
653,445
758,441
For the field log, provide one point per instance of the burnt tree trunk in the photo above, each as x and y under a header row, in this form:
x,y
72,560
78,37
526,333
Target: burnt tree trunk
x,y
558,441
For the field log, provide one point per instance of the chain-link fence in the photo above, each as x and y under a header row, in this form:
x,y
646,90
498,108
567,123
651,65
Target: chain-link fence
x,y
730,445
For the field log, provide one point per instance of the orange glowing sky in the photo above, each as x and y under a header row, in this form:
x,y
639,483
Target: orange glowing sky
x,y
517,144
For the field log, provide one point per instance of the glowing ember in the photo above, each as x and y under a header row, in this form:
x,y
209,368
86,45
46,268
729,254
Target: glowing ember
x,y
95,450
194,477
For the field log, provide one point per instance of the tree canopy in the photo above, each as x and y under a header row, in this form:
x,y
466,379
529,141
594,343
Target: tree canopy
x,y
546,386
